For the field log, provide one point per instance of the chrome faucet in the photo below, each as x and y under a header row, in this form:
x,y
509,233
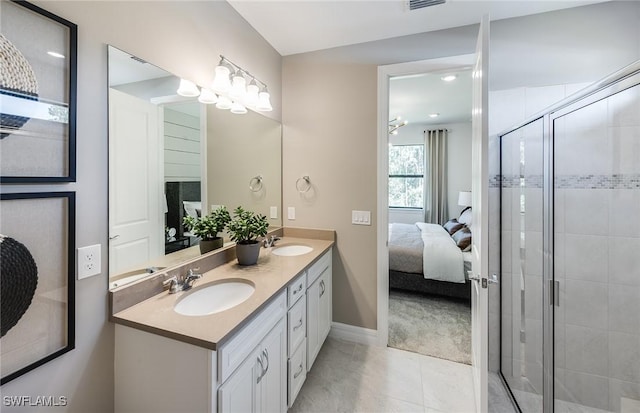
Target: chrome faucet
x,y
269,242
176,285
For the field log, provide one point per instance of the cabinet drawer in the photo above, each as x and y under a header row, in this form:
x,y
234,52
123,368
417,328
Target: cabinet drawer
x,y
297,289
318,268
297,373
234,351
297,325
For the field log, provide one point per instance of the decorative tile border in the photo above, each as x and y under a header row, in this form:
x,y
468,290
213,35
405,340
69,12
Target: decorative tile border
x,y
613,181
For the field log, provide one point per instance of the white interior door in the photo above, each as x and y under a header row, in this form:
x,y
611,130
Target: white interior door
x,y
135,181
480,202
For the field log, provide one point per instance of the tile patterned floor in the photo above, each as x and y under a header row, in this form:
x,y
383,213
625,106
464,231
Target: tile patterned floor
x,y
349,377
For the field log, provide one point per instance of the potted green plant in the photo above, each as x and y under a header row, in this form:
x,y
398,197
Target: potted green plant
x,y
244,229
208,227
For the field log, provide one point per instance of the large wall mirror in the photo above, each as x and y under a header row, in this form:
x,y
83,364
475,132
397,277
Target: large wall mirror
x,y
171,156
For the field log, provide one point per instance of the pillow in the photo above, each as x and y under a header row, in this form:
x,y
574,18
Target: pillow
x,y
462,238
465,216
452,226
192,207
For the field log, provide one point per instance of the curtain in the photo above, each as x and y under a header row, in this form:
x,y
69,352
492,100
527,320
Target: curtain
x,y
436,210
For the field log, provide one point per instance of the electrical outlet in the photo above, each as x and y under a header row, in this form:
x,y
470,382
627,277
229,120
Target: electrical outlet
x,y
273,212
89,261
291,213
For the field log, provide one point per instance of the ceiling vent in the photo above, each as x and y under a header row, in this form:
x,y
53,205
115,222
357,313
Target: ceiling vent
x,y
419,4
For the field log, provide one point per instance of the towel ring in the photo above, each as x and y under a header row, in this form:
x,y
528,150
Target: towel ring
x,y
303,184
255,184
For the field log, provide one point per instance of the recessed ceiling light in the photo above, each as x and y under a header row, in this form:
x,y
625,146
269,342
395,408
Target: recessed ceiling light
x,y
434,115
56,54
449,78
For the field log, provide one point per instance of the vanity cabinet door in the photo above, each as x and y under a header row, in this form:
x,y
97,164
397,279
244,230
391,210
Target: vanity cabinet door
x,y
313,322
238,394
272,388
318,314
324,306
260,383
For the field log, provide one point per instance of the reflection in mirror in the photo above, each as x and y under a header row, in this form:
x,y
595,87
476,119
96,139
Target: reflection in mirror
x,y
169,157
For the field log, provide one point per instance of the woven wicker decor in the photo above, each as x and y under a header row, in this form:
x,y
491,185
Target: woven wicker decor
x,y
18,281
16,79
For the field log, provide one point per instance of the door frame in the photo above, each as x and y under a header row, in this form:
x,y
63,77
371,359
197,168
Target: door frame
x,y
385,72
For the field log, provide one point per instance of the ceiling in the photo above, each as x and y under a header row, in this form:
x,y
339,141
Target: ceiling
x,y
414,97
311,25
299,26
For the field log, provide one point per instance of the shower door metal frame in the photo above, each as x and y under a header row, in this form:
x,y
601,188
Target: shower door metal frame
x,y
617,82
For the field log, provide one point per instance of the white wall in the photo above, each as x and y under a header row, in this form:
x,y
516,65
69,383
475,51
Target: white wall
x,y
184,38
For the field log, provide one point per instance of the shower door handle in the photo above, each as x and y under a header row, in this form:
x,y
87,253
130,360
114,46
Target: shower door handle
x,y
554,292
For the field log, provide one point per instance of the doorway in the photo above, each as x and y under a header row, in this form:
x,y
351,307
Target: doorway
x,y
410,137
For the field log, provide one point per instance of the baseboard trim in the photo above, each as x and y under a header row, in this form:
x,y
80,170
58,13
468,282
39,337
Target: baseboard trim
x,y
354,334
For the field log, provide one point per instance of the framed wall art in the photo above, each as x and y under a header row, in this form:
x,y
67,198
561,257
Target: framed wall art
x,y
38,56
37,244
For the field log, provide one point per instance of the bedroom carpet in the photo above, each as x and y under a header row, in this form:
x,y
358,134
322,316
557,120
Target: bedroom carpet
x,y
430,325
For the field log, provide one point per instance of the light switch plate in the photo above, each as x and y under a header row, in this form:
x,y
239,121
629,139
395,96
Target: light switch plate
x,y
89,261
361,217
273,211
291,213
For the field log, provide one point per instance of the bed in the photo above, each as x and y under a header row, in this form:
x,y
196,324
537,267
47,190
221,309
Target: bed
x,y
428,258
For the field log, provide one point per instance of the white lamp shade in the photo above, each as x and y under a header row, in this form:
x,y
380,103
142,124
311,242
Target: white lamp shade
x,y
221,82
264,103
251,98
464,198
238,87
207,97
224,103
238,108
188,88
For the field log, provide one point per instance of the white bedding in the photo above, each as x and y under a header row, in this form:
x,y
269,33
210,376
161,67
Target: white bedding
x,y
442,259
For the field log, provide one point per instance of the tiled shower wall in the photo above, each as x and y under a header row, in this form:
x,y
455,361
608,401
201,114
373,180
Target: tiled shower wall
x,y
597,253
506,109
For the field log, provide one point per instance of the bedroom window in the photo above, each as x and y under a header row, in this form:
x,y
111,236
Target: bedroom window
x,y
406,176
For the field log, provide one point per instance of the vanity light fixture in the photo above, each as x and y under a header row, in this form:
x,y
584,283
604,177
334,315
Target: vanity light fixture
x,y
238,86
434,115
238,109
251,98
221,82
224,103
264,102
233,92
207,96
449,78
188,88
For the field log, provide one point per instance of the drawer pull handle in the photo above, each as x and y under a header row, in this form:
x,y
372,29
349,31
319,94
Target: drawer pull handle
x,y
323,288
298,290
298,326
299,372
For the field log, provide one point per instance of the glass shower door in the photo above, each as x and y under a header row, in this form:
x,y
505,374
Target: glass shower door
x,y
597,253
522,264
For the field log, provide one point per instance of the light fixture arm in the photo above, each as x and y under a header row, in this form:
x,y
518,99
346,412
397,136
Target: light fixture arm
x,y
236,68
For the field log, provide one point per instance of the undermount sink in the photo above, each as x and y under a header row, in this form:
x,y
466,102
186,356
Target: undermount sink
x,y
291,250
214,298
